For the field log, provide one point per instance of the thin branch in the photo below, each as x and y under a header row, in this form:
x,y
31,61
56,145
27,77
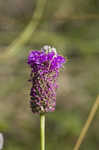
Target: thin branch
x,y
87,124
76,17
25,36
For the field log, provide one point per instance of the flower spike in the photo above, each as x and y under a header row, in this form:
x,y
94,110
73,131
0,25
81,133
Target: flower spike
x,y
45,65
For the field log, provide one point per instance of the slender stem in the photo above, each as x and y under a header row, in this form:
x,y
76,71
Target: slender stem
x,y
27,33
87,124
42,131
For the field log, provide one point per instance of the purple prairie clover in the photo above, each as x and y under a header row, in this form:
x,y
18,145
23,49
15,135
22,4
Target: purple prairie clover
x,y
45,65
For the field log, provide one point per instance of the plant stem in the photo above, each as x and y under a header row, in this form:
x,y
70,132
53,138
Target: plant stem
x,y
87,124
27,33
42,131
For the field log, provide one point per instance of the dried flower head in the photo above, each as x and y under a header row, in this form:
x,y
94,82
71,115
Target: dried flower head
x,y
45,65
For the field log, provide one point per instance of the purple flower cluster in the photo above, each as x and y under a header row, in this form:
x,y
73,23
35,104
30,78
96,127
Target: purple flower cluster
x,y
45,65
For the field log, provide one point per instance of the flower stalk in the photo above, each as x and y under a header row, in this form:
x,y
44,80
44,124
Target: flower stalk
x,y
42,130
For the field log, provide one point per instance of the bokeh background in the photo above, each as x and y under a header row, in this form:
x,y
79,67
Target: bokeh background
x,y
73,28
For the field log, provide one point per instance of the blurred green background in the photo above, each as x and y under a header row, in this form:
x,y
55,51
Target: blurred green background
x,y
73,28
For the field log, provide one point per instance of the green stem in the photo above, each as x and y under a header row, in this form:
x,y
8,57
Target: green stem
x,y
42,131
